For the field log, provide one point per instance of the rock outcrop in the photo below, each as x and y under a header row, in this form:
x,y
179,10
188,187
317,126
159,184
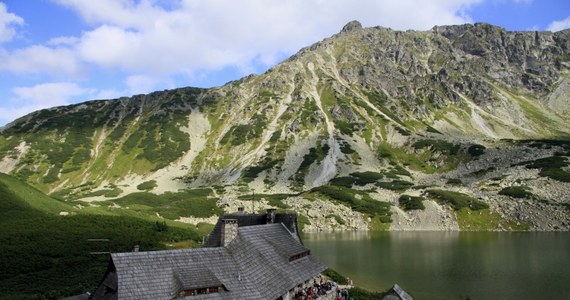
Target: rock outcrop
x,y
406,106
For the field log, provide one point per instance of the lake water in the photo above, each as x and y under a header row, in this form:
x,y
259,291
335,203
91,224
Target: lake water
x,y
452,265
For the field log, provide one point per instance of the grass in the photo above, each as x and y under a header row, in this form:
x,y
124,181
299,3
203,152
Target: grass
x,y
423,156
355,292
46,256
485,220
32,197
362,294
302,221
380,223
335,276
408,202
457,200
171,205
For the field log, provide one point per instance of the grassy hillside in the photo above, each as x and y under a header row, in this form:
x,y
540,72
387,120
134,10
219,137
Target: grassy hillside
x,y
18,193
46,256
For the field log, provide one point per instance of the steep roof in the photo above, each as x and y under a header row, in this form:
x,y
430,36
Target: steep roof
x,y
255,265
288,219
264,254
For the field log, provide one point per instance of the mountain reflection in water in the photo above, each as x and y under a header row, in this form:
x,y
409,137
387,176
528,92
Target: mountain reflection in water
x,y
450,265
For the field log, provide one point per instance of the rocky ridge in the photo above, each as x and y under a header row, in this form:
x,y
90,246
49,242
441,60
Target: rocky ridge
x,y
407,108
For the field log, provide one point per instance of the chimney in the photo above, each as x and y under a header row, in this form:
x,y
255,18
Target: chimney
x,y
241,209
229,231
271,215
136,248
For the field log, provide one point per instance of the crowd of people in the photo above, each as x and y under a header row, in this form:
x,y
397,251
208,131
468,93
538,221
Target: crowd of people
x,y
320,288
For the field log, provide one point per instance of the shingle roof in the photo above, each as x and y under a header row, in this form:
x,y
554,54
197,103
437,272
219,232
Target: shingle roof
x,y
255,265
196,276
288,219
267,264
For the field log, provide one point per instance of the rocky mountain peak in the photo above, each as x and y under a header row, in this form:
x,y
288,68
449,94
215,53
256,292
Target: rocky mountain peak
x,y
351,26
366,106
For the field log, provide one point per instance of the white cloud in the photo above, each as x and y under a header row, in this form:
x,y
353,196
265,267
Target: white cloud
x,y
144,44
559,25
7,23
51,94
58,61
191,36
63,41
109,94
29,99
141,84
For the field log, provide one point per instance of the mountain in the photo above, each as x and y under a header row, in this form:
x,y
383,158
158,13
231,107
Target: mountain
x,y
412,130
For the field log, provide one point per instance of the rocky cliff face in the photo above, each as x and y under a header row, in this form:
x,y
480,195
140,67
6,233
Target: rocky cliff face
x,y
369,114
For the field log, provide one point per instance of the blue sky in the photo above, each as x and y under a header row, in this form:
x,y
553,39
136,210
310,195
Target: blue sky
x,y
58,52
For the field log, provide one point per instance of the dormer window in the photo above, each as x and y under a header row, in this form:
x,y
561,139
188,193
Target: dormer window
x,y
201,291
298,256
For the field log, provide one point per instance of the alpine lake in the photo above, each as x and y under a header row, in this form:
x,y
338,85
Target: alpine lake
x,y
451,265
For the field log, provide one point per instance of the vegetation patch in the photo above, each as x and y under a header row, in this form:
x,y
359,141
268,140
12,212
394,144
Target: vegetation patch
x,y
362,294
346,148
171,205
426,160
437,146
159,139
240,134
250,173
476,150
147,185
337,218
356,200
364,178
395,185
457,200
314,155
335,276
345,181
485,220
454,181
408,202
274,200
517,192
551,167
345,127
432,130
302,221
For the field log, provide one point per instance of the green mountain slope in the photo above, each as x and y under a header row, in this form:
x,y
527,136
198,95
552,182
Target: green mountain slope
x,y
453,107
16,194
47,256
